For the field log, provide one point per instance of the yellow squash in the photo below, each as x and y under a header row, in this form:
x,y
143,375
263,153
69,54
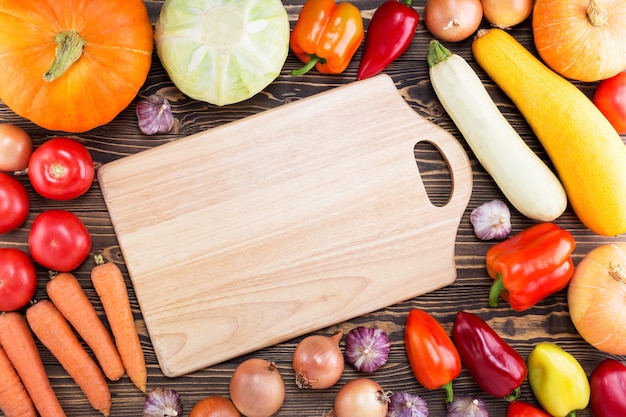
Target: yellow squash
x,y
587,152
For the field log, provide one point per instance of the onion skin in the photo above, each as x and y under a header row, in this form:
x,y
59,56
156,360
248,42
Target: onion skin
x,y
452,20
506,13
257,388
318,361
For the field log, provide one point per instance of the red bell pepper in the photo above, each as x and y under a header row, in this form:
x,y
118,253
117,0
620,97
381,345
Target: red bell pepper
x,y
495,366
523,409
608,389
531,265
389,35
433,357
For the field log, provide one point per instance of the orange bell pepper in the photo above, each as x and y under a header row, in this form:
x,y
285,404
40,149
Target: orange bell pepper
x,y
326,35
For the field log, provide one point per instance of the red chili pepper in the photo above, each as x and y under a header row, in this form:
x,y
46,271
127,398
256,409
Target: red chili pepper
x,y
608,389
531,265
522,409
497,368
389,34
433,357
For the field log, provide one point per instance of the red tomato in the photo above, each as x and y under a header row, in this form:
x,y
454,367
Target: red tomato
x,y
15,148
18,279
610,98
61,169
14,203
59,240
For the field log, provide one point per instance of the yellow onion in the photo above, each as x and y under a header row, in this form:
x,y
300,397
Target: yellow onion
x,y
257,388
506,13
318,362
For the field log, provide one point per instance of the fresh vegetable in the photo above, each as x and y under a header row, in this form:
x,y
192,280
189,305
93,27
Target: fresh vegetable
x,y
389,35
526,181
581,39
608,385
318,361
162,402
497,368
55,333
18,279
154,115
326,36
610,98
491,220
69,298
19,345
367,348
14,203
361,397
109,284
452,20
257,388
14,400
403,404
434,359
73,66
596,296
585,149
61,169
531,265
519,408
16,147
59,240
214,406
222,52
507,13
467,406
558,380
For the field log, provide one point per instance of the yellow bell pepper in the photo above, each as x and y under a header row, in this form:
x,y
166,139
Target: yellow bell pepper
x,y
558,381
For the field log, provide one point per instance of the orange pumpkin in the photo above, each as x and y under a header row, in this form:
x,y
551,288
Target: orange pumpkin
x,y
582,40
103,58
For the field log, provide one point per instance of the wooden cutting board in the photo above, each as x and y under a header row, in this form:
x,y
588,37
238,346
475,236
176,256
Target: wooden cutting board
x,y
283,223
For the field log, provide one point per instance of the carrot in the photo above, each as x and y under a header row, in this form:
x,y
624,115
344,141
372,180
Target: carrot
x,y
14,400
18,343
109,284
69,298
55,333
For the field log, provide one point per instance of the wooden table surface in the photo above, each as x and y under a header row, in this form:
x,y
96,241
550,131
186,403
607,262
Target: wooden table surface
x,y
548,321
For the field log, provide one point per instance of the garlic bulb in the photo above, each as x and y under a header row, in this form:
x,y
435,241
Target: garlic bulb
x,y
162,402
491,220
154,115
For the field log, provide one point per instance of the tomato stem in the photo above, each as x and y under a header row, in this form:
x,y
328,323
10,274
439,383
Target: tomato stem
x,y
69,49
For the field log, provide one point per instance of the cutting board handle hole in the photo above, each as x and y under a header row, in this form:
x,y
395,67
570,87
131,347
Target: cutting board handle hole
x,y
435,172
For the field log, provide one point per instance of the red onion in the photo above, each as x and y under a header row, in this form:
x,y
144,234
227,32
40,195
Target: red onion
x,y
367,349
318,361
403,404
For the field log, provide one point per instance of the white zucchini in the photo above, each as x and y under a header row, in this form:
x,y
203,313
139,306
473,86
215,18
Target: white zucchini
x,y
524,179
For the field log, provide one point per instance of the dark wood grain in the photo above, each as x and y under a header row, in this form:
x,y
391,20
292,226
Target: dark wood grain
x,y
548,321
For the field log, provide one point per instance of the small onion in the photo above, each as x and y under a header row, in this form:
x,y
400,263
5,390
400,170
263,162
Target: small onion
x,y
362,397
257,388
154,115
467,406
452,20
367,349
491,220
214,406
403,404
318,361
506,13
162,402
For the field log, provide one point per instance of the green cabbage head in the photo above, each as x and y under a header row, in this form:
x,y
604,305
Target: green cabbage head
x,y
222,51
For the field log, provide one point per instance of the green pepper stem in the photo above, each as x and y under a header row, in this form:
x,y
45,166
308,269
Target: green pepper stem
x,y
449,392
514,395
407,2
494,293
572,414
308,66
69,49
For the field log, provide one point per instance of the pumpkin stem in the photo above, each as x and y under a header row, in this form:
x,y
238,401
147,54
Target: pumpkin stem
x,y
597,13
69,50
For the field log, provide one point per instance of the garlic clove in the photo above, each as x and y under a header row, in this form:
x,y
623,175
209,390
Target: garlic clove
x,y
154,115
162,402
491,220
